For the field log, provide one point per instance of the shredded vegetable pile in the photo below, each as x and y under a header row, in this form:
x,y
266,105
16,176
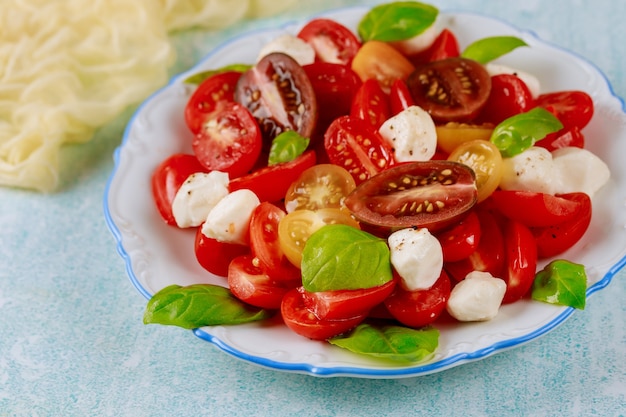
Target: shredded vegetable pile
x,y
66,69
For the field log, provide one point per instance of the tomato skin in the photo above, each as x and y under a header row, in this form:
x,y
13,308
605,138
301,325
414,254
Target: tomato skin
x,y
422,307
445,46
270,183
485,159
399,97
573,108
356,145
568,136
371,103
451,90
215,89
252,285
382,62
229,140
167,179
521,260
215,256
534,209
304,322
461,240
509,96
318,187
331,41
556,239
431,194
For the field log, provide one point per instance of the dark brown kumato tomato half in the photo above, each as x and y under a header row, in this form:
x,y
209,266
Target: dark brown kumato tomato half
x,y
451,90
430,194
279,94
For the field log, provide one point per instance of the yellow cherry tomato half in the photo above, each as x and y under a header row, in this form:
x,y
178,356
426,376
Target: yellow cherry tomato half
x,y
321,186
295,228
485,159
382,62
453,134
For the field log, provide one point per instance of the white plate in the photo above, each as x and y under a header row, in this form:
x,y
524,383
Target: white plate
x,y
157,255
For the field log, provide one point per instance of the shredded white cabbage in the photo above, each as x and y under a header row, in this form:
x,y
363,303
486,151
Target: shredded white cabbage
x,y
68,67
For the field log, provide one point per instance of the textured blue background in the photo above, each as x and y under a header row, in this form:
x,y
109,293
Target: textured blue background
x,y
72,342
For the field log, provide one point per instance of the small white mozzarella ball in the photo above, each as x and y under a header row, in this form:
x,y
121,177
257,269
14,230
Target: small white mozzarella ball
x,y
529,79
531,170
229,221
412,134
290,45
477,298
197,196
580,171
417,257
420,42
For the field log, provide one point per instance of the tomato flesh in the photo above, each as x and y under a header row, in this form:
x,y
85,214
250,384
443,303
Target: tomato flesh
x,y
521,260
371,103
431,194
573,108
321,186
332,41
509,96
382,62
534,209
460,240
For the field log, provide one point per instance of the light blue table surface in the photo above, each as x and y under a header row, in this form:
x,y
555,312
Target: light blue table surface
x,y
72,342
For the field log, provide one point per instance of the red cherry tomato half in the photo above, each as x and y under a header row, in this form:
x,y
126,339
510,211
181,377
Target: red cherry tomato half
x,y
534,209
400,97
229,140
167,179
422,307
252,285
279,94
431,194
371,103
215,89
556,239
573,108
346,303
304,322
460,240
265,244
568,136
521,260
445,46
215,256
453,89
356,145
271,183
509,96
331,41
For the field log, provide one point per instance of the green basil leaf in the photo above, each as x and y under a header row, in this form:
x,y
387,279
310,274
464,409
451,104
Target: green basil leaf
x,y
518,133
286,147
397,21
199,305
561,282
340,257
487,49
395,343
200,77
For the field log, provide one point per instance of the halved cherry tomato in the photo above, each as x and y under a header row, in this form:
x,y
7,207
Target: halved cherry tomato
x,y
488,256
305,323
321,186
167,179
568,136
270,183
279,94
229,140
215,256
460,240
296,227
453,134
215,89
534,209
265,244
509,96
346,303
371,103
485,159
399,97
573,108
249,283
331,41
556,239
355,145
431,194
453,89
445,46
421,307
382,62
521,260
